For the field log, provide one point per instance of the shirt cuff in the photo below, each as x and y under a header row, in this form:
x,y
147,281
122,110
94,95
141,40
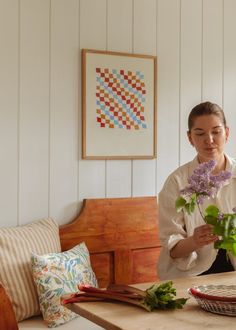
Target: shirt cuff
x,y
185,263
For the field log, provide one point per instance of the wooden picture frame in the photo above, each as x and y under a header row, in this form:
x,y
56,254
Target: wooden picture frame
x,y
118,105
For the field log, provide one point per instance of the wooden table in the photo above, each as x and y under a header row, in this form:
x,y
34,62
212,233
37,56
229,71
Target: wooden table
x,y
121,316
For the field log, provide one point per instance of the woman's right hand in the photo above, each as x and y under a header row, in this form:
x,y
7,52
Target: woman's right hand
x,y
203,235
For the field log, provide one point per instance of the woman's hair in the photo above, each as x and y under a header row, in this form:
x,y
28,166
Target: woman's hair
x,y
206,108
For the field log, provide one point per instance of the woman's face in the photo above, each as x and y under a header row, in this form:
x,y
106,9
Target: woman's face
x,y
208,135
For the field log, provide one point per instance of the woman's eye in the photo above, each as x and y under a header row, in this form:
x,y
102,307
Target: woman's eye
x,y
213,133
199,134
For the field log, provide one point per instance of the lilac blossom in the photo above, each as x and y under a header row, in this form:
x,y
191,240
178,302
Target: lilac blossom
x,y
203,183
220,216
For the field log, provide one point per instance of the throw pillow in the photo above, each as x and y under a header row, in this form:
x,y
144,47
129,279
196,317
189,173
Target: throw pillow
x,y
16,247
56,274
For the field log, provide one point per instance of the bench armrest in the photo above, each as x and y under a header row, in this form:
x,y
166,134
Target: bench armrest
x,y
7,315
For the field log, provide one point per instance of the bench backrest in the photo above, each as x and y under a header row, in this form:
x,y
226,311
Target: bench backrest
x,y
121,235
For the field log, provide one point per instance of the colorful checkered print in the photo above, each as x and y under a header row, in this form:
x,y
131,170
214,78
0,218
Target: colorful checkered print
x,y
120,99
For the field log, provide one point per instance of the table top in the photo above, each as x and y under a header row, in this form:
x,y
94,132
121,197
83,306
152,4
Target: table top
x,y
121,316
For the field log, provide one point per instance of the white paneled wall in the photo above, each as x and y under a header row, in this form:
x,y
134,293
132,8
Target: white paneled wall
x,y
41,170
212,51
34,96
9,111
64,102
92,174
190,67
119,38
229,71
144,24
168,88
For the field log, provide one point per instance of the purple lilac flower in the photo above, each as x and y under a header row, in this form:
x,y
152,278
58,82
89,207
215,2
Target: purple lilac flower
x,y
220,216
205,184
205,168
218,179
234,209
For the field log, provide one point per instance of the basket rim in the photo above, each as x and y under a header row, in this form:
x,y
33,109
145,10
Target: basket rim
x,y
194,291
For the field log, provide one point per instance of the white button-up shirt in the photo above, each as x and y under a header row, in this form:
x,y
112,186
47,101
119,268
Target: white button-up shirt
x,y
175,226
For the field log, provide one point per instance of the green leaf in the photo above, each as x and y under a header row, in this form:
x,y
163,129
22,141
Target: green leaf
x,y
162,297
211,220
234,249
218,229
180,204
227,227
212,211
233,220
228,244
189,207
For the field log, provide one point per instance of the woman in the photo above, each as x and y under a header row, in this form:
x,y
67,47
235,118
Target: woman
x,y
187,241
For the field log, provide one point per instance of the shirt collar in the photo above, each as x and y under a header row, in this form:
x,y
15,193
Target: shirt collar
x,y
231,166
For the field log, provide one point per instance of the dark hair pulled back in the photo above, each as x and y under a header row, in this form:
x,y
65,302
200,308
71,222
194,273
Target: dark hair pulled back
x,y
206,108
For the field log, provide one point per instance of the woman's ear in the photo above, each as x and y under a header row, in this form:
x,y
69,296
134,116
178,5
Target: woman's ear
x,y
190,138
226,133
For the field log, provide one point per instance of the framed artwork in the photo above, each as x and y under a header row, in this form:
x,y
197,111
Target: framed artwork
x,y
118,105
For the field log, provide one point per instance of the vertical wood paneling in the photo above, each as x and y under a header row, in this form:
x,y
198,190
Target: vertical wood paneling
x,y
34,110
144,178
93,23
119,38
64,135
229,89
92,179
191,69
118,178
41,170
120,25
145,15
168,52
212,51
8,111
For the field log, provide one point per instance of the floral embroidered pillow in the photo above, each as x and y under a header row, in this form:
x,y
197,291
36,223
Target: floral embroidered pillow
x,y
56,274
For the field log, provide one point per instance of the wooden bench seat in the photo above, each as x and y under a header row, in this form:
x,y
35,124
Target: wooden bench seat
x,y
122,237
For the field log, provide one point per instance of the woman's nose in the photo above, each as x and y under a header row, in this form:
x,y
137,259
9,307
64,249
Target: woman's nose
x,y
209,138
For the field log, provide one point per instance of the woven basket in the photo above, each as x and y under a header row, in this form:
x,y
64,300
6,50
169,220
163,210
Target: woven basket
x,y
220,299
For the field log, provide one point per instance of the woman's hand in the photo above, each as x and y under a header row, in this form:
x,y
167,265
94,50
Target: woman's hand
x,y
203,235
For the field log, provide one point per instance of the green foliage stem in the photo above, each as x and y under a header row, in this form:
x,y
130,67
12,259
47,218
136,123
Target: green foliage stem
x,y
162,297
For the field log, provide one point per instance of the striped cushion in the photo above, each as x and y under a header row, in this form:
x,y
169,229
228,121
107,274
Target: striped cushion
x,y
16,246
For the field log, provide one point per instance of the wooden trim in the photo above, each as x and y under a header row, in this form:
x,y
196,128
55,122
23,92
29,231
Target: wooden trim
x,y
7,315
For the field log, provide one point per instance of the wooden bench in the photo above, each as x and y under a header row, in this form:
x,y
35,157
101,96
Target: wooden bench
x,y
122,237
